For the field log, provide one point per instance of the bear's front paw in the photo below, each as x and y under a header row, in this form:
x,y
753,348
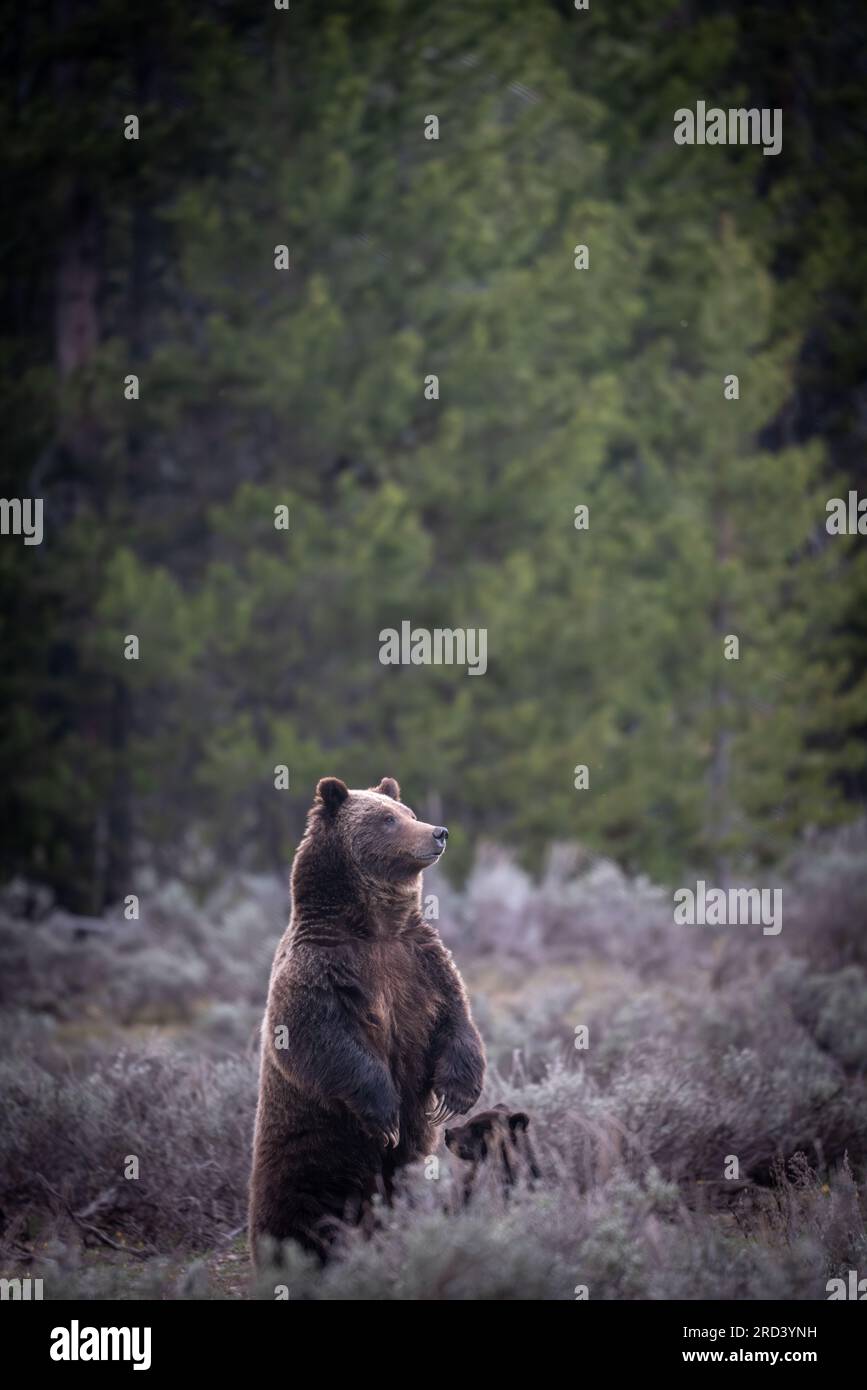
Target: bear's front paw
x,y
457,1081
388,1135
381,1116
451,1100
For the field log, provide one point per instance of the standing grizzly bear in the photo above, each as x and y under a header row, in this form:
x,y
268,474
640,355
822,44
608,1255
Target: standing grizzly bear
x,y
367,1040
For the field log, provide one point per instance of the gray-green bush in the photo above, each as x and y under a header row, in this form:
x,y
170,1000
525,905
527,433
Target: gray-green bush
x,y
139,1040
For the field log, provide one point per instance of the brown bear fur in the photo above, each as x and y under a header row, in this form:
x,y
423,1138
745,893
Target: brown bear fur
x,y
378,1046
494,1141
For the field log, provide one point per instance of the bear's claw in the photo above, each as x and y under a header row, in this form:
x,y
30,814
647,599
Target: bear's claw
x,y
441,1112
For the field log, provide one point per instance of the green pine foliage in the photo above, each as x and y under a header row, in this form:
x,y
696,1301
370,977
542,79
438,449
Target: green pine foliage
x,y
304,389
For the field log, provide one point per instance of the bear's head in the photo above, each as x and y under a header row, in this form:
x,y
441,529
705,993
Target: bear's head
x,y
489,1132
375,832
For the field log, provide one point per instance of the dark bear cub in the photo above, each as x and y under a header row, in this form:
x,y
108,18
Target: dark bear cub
x,y
495,1141
367,1041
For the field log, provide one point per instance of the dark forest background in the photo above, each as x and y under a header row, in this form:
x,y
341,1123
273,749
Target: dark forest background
x,y
305,388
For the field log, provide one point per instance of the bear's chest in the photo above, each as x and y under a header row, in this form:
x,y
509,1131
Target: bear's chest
x,y
399,1011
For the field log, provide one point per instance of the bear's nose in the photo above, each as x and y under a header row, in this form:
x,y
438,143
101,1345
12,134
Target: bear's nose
x,y
440,834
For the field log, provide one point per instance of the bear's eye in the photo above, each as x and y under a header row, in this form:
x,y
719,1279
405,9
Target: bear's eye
x,y
391,820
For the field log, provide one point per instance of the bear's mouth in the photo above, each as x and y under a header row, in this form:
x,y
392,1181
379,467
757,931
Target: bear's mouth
x,y
431,855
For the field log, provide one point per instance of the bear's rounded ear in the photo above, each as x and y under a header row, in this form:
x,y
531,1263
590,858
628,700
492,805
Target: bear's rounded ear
x,y
388,786
518,1121
331,793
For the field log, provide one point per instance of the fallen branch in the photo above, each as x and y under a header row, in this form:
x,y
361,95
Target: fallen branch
x,y
94,1230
